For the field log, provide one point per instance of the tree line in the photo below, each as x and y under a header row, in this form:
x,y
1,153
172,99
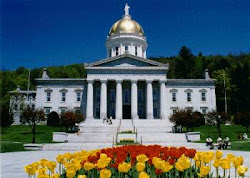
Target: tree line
x,y
235,69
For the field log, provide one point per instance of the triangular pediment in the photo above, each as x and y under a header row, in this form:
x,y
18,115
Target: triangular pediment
x,y
126,60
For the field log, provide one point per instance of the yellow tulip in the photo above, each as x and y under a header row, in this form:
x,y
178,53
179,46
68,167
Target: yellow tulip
x,y
43,162
142,158
35,165
81,176
55,175
242,170
204,171
68,156
206,158
78,166
216,163
218,154
41,171
51,165
101,163
183,163
70,173
88,166
69,165
225,163
140,167
124,167
166,167
237,161
105,173
60,159
144,175
197,163
230,156
29,169
103,156
158,162
43,176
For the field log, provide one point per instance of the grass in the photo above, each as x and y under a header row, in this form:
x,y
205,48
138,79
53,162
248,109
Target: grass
x,y
231,131
13,137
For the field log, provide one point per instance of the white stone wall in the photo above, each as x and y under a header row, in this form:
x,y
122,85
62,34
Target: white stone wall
x,y
196,102
56,94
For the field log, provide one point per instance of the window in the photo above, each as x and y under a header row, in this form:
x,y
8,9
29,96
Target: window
x,y
97,95
97,112
110,52
155,112
188,96
174,109
173,96
126,48
203,96
63,110
77,110
47,110
63,96
189,109
136,53
48,97
155,95
126,97
33,106
116,51
204,110
78,96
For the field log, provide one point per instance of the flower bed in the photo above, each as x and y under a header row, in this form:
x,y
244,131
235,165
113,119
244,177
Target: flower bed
x,y
138,161
127,140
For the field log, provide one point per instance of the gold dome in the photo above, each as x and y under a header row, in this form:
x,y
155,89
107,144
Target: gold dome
x,y
126,25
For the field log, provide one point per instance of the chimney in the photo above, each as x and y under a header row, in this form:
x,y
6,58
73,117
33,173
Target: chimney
x,y
207,77
45,74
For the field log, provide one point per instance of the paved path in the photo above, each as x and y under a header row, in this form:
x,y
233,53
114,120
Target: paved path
x,y
12,164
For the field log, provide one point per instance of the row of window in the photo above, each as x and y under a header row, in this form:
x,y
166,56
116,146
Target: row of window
x,y
63,96
202,109
189,96
62,110
126,50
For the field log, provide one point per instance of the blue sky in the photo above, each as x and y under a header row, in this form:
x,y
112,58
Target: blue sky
x,y
38,33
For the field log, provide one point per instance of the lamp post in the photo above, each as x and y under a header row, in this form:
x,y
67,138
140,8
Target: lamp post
x,y
218,125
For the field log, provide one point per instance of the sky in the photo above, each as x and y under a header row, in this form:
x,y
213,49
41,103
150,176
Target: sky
x,y
42,33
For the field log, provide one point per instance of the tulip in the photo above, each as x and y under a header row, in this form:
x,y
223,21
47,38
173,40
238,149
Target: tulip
x,y
56,176
43,176
237,161
242,170
51,165
105,173
101,164
142,158
144,175
60,159
218,154
88,166
140,167
124,167
43,162
81,176
70,173
204,171
166,167
29,169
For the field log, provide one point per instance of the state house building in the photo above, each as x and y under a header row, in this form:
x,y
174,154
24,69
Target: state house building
x,y
125,85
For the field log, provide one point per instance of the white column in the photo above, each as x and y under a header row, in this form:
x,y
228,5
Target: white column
x,y
149,99
103,109
134,100
163,99
118,106
89,113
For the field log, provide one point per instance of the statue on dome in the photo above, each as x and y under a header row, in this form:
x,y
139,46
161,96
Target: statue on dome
x,y
126,9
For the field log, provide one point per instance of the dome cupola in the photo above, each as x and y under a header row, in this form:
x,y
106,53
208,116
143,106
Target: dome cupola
x,y
126,36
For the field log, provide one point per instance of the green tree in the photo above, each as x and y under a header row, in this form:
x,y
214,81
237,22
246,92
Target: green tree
x,y
32,117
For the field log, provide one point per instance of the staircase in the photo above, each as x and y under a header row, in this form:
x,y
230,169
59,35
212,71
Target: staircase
x,y
95,134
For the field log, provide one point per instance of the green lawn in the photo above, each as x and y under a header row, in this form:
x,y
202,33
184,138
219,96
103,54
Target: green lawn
x,y
15,136
231,131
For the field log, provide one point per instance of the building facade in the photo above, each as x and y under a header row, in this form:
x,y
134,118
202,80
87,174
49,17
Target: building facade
x,y
125,85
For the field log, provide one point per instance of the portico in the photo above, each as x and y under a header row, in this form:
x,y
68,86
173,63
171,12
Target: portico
x,y
126,99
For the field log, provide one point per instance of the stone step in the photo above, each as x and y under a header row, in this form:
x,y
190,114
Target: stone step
x,y
154,129
162,137
91,138
75,146
99,129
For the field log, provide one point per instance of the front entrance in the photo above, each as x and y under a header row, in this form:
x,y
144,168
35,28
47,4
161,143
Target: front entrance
x,y
126,111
